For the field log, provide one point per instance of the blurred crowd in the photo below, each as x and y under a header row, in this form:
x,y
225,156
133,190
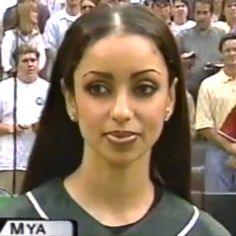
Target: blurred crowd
x,y
32,32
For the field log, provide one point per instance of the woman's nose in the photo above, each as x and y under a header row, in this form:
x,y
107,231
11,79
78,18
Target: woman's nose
x,y
121,111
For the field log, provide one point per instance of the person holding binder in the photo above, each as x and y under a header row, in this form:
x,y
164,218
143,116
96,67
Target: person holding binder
x,y
216,121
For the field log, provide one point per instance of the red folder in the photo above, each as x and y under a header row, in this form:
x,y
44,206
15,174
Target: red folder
x,y
228,129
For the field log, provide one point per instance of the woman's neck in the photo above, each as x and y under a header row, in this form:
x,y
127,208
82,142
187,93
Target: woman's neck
x,y
114,195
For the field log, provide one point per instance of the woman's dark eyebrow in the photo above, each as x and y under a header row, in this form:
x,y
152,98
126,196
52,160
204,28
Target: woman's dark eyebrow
x,y
105,75
108,75
138,73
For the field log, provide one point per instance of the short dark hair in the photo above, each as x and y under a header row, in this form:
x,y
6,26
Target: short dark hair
x,y
183,1
161,2
54,156
209,2
225,38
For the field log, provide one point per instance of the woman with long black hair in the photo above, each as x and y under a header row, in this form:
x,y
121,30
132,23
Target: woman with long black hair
x,y
113,146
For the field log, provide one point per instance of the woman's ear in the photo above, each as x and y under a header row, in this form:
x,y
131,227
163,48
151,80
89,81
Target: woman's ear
x,y
69,102
171,100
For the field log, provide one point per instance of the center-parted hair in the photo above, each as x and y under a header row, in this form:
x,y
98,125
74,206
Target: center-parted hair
x,y
58,148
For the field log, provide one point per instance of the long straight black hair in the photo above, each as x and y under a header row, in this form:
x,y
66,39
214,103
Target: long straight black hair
x,y
58,148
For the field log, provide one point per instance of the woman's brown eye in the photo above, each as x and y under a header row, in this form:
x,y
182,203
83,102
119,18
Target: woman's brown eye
x,y
145,90
98,90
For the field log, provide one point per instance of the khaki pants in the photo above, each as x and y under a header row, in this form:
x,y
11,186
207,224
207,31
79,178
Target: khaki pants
x,y
6,181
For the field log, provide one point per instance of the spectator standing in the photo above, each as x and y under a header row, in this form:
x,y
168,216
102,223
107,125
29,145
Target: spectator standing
x,y
31,93
56,28
203,40
162,9
229,13
218,8
180,12
54,5
25,32
87,5
217,97
10,15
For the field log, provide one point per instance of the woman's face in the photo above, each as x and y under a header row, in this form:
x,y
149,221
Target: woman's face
x,y
180,9
230,9
28,13
34,17
162,10
122,97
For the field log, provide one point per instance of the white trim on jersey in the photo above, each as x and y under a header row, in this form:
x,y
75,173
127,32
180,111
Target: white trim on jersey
x,y
183,232
191,223
36,206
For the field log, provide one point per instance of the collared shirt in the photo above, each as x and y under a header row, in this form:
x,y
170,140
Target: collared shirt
x,y
14,39
216,98
30,102
56,28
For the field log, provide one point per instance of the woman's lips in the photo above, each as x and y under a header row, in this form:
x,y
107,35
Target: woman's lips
x,y
121,137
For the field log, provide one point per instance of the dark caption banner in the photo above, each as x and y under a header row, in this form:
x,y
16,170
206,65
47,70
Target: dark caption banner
x,y
10,227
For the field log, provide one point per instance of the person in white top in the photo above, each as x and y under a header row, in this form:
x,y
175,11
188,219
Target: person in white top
x,y
180,11
31,93
25,32
216,100
56,28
